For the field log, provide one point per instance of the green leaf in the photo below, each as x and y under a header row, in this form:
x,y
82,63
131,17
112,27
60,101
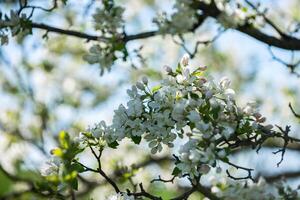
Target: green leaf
x,y
64,1
244,9
136,139
6,184
215,112
77,167
176,171
178,69
225,159
71,179
144,97
89,135
57,152
127,175
74,183
64,139
197,73
113,144
194,96
47,66
246,128
156,88
119,46
71,152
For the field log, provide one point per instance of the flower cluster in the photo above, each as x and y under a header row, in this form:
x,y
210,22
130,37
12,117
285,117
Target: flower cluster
x,y
251,191
104,56
187,105
109,22
51,167
227,189
232,14
183,19
13,23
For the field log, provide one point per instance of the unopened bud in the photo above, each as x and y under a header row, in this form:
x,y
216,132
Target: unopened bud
x,y
257,115
204,169
208,94
185,60
203,80
203,68
219,170
222,154
261,120
145,80
269,126
140,86
189,134
168,69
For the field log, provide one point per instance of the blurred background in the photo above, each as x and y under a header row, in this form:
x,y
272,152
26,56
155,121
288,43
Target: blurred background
x,y
47,87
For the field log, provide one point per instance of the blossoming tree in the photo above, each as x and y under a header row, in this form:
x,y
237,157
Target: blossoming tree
x,y
187,124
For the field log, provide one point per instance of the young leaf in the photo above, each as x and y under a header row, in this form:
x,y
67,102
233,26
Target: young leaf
x,y
156,88
64,139
77,167
176,171
136,139
178,69
74,183
113,144
57,152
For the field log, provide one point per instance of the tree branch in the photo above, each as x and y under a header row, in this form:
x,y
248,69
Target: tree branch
x,y
78,34
293,111
248,170
211,10
287,42
206,192
101,172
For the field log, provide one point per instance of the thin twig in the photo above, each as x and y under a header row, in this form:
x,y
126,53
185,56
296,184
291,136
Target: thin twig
x,y
293,111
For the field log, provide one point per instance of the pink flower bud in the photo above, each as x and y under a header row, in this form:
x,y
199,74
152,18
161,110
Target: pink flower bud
x,y
269,126
261,120
203,68
185,60
204,169
168,69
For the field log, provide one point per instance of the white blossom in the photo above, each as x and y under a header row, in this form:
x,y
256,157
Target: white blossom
x,y
184,106
51,167
250,108
224,83
121,196
229,93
